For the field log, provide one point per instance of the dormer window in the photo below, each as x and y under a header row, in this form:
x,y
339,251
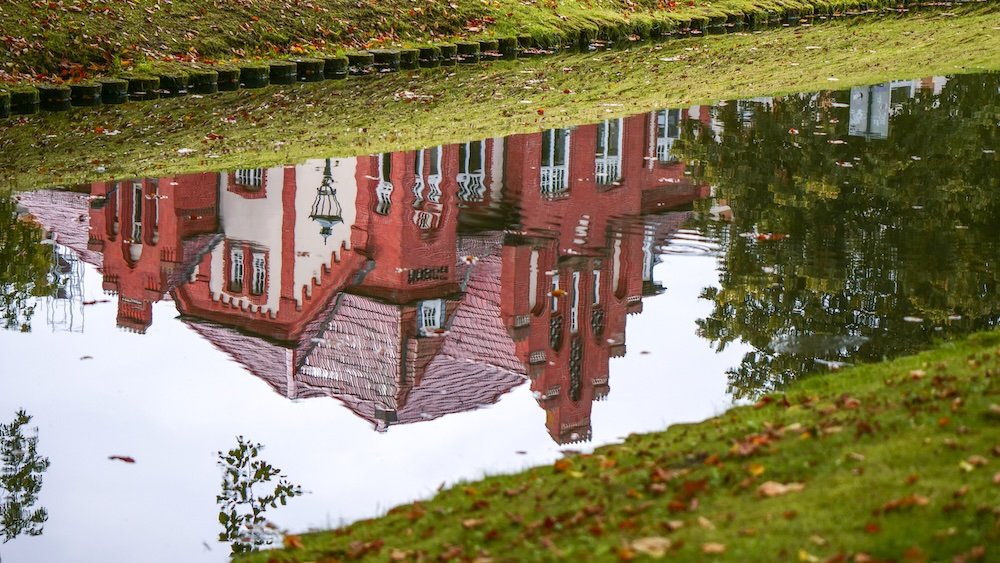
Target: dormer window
x,y
430,316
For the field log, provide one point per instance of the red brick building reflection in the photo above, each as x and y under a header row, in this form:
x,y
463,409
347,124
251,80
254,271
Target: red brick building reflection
x,y
146,231
584,257
399,283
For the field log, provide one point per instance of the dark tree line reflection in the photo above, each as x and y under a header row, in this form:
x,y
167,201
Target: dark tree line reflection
x,y
889,243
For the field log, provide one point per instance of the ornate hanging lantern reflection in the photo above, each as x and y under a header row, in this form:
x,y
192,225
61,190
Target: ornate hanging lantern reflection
x,y
325,208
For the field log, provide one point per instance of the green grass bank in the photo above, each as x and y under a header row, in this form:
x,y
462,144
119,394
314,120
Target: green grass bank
x,y
405,110
895,461
76,38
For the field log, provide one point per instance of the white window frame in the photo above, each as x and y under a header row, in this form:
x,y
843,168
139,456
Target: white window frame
x,y
137,209
574,310
430,316
434,177
597,287
608,157
471,186
555,299
533,280
667,133
554,169
258,281
251,178
236,266
384,189
418,179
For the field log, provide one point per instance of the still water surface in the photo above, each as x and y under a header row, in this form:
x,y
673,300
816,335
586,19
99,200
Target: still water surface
x,y
385,324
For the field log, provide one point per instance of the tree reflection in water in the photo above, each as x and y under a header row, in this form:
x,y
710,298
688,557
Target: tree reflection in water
x,y
890,243
24,266
241,503
21,479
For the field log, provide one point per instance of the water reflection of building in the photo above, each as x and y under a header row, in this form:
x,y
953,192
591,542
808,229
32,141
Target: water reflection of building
x,y
366,318
63,215
64,303
583,259
871,107
399,283
277,263
149,232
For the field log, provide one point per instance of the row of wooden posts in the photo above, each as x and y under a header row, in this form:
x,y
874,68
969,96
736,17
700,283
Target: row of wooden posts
x,y
30,99
204,80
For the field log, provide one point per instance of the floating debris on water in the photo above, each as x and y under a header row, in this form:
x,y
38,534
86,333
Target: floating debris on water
x,y
816,345
833,365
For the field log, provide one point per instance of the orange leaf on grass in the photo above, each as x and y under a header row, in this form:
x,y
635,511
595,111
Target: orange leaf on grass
x,y
774,488
713,548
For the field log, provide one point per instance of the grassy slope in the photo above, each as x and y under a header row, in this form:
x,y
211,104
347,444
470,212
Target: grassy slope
x,y
40,36
282,125
918,433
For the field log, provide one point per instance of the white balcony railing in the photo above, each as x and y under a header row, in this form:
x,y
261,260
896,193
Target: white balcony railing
x,y
663,149
471,187
418,191
607,170
555,180
434,182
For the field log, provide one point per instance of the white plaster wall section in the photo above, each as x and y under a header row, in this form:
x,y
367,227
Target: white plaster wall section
x,y
312,253
258,223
